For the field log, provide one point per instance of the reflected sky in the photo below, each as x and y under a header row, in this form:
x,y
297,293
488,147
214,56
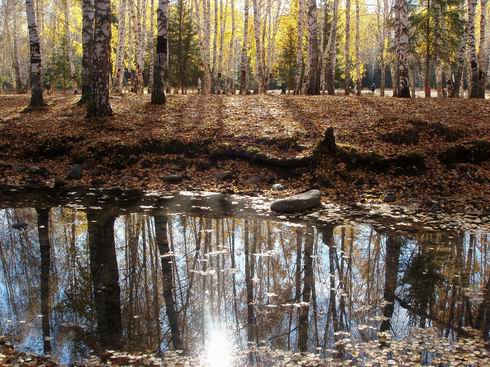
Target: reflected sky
x,y
213,286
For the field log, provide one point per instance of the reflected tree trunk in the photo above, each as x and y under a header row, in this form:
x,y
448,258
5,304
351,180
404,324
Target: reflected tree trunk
x,y
45,247
105,278
168,281
482,321
392,262
308,284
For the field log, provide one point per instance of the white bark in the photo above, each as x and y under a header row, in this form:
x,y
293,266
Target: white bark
x,y
482,52
299,52
473,82
118,78
313,81
244,56
258,46
100,105
232,50
69,45
358,56
37,99
88,16
401,36
347,48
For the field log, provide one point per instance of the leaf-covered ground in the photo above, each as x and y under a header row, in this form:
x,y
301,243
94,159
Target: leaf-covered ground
x,y
245,144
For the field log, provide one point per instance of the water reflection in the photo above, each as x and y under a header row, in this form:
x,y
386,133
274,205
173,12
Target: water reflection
x,y
75,281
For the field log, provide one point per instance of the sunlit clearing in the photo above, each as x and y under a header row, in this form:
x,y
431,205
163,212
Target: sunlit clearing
x,y
218,352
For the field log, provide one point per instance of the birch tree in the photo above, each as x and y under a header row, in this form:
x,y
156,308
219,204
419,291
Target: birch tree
x,y
138,52
69,45
88,16
159,77
313,77
330,54
207,79
402,48
458,73
118,77
151,44
299,50
483,51
222,25
358,44
244,56
37,99
15,56
99,105
258,47
473,82
231,56
347,48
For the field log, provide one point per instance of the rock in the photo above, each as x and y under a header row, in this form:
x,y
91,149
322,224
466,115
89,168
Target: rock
x,y
19,225
297,203
173,179
278,187
19,168
256,180
223,175
75,172
389,197
40,171
59,182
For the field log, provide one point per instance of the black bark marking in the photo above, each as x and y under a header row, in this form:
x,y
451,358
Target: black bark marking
x,y
161,45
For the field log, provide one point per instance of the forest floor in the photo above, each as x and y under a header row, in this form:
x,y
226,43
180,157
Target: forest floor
x,y
433,154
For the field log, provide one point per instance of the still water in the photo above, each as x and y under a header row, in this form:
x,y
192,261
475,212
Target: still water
x,y
230,284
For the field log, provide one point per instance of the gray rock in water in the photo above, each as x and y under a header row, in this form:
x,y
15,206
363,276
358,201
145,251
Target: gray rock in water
x,y
278,187
75,172
389,197
174,179
223,175
297,203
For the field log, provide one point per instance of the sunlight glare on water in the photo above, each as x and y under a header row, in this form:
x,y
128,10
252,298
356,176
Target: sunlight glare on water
x,y
218,350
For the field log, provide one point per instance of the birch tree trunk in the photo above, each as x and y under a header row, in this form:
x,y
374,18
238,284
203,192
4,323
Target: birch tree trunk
x,y
118,78
207,80
358,42
473,85
458,74
313,86
381,21
482,54
69,45
232,49
347,48
37,99
136,23
258,46
159,77
15,61
244,57
100,105
332,51
151,45
401,29
88,16
222,25
299,50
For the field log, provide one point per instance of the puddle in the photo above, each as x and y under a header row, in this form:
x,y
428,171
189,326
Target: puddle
x,y
231,284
